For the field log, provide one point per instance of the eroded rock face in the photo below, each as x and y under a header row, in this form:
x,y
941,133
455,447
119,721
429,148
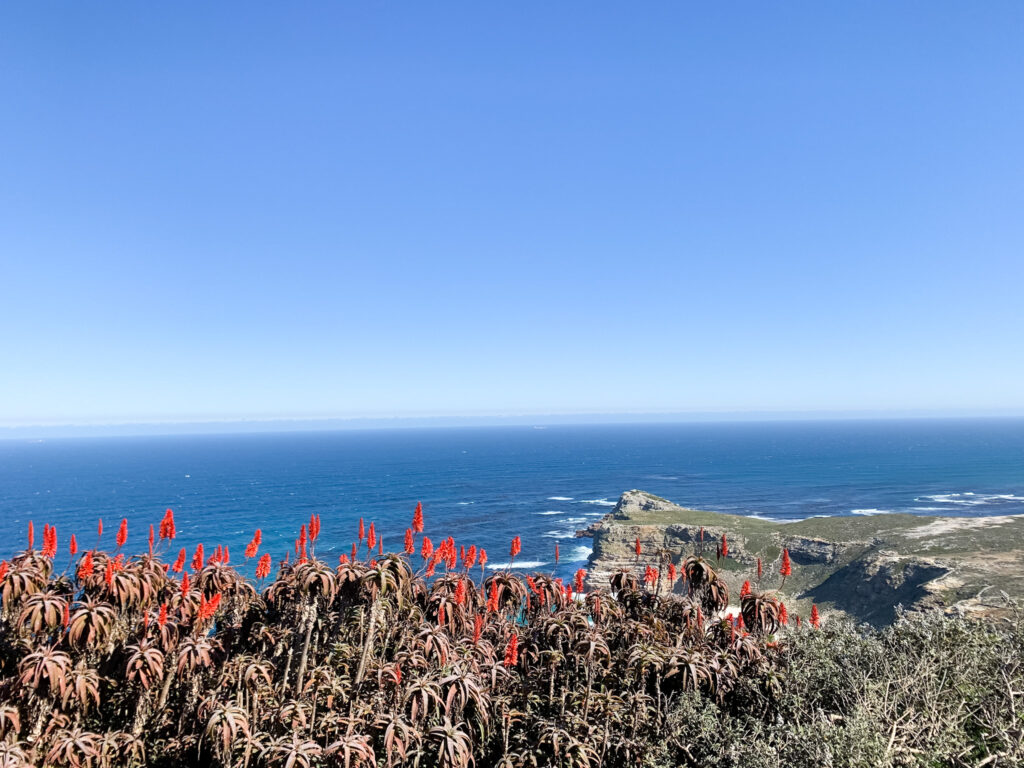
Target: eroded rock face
x,y
865,566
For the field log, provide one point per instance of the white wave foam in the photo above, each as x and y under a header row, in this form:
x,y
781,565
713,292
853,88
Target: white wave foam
x,y
518,564
930,509
580,554
575,520
551,512
559,498
970,499
871,511
599,502
566,533
465,503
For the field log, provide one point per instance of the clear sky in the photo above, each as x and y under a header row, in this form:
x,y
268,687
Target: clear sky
x,y
252,210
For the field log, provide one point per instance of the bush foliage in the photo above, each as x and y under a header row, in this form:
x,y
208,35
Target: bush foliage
x,y
422,659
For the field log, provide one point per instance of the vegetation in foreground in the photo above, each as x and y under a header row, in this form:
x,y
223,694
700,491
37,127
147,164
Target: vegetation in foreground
x,y
130,661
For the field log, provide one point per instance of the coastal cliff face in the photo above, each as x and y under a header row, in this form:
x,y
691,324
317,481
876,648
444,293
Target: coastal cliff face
x,y
863,566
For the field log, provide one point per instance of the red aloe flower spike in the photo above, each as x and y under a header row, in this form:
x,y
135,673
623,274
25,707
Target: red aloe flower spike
x,y
759,569
380,545
362,530
427,548
462,553
162,618
798,622
483,559
787,567
581,574
460,592
184,586
371,538
355,552
492,602
783,614
556,555
637,547
180,562
73,545
512,651
4,569
671,573
253,546
815,617
478,625
725,546
263,566
470,556
303,537
342,559
122,533
66,619
516,547
409,547
99,529
108,574
31,534
151,538
417,518
197,558
440,614
85,570
745,589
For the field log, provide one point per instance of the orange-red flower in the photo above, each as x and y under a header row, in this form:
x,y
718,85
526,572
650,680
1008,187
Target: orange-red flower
x,y
73,545
460,592
516,548
167,525
253,546
483,558
725,546
4,568
478,625
162,618
371,538
362,530
197,558
417,518
31,534
409,547
787,567
783,614
263,566
86,567
512,651
672,573
815,617
759,569
556,554
99,529
580,575
180,562
470,556
122,533
745,589
637,547
426,548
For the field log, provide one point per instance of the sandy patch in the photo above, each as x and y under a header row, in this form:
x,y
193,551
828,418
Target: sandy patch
x,y
953,524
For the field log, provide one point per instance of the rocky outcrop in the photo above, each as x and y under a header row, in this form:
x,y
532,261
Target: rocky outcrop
x,y
865,567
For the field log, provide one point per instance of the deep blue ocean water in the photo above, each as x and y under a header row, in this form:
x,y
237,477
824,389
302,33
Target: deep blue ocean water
x,y
484,485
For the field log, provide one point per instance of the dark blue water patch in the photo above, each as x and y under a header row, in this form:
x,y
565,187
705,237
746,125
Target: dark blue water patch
x,y
485,485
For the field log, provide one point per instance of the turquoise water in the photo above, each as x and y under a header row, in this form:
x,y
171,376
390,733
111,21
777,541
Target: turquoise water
x,y
485,485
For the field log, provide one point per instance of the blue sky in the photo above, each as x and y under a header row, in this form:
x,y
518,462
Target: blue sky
x,y
257,210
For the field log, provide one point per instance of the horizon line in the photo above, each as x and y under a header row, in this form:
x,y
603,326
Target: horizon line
x,y
293,424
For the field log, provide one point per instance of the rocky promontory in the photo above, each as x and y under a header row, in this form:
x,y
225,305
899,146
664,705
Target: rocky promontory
x,y
863,566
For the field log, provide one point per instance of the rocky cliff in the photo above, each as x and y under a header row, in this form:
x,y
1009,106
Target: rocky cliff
x,y
864,566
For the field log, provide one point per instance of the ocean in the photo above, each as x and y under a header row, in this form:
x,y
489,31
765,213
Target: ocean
x,y
485,485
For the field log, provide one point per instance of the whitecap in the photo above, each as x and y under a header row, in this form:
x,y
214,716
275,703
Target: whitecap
x,y
870,511
518,564
464,503
599,502
563,534
559,498
551,512
581,553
